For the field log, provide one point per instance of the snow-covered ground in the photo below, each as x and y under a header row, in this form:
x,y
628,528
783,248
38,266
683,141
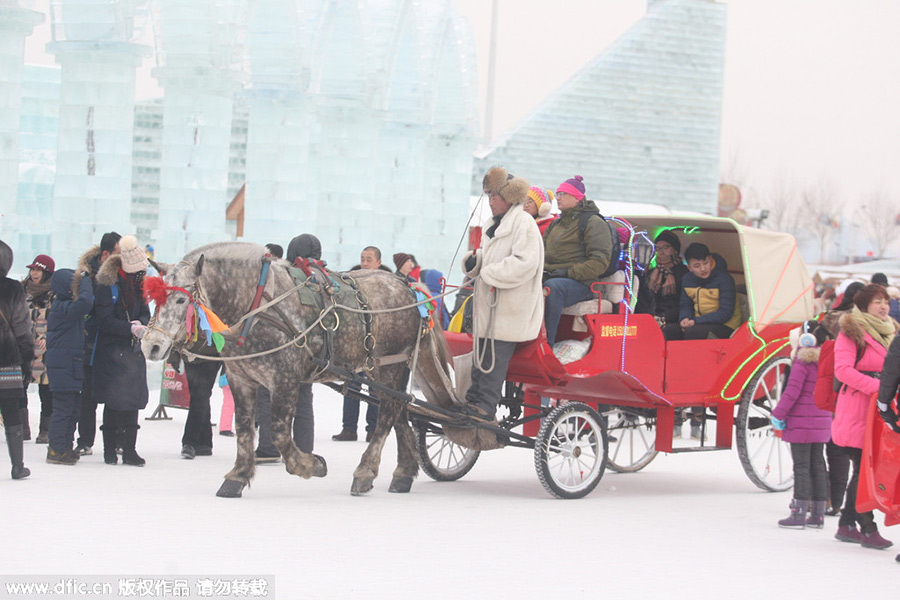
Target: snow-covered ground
x,y
687,526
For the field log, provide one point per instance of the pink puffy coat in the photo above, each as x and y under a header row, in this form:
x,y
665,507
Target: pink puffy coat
x,y
849,426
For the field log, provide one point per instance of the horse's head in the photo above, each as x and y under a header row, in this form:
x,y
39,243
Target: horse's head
x,y
173,294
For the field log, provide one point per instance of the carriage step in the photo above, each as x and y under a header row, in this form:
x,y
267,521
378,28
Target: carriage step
x,y
698,449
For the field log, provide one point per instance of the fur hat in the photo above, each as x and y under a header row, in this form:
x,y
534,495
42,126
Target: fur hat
x,y
133,258
542,200
511,188
573,186
44,263
893,292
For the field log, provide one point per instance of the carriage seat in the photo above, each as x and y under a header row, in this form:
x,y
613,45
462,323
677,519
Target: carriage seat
x,y
610,296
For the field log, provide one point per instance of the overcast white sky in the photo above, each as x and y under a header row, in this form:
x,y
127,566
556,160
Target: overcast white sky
x,y
811,85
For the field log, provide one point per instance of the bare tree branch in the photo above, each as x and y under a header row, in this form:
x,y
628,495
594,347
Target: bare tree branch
x,y
878,218
819,210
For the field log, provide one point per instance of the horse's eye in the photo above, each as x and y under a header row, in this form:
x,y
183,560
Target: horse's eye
x,y
180,300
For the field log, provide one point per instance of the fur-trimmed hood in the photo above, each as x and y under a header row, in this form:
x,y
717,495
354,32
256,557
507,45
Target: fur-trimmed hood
x,y
88,263
511,188
108,274
855,331
809,355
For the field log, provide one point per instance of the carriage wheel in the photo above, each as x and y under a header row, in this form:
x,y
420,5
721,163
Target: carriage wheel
x,y
570,450
441,459
765,458
635,445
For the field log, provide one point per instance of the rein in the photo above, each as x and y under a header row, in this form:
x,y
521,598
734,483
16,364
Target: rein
x,y
159,290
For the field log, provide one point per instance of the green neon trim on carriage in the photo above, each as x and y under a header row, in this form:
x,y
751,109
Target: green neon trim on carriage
x,y
781,342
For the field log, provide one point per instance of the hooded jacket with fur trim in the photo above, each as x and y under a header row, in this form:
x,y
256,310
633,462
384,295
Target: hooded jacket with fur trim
x,y
806,423
849,426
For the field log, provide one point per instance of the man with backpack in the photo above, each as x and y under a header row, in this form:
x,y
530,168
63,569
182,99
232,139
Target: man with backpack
x,y
578,249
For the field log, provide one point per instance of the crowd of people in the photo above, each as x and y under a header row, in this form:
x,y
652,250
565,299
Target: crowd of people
x,y
76,333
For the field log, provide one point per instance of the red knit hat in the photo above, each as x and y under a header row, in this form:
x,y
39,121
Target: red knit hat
x,y
44,263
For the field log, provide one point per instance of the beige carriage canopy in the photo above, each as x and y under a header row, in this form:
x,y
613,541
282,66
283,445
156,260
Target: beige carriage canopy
x,y
766,263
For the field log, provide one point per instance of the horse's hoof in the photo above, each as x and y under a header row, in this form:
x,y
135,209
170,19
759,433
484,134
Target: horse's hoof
x,y
230,489
321,469
359,488
401,485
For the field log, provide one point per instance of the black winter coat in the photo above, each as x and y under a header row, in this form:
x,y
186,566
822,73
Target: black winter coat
x,y
16,337
119,374
64,358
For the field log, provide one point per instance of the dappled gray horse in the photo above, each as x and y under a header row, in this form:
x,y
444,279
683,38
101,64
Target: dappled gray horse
x,y
285,346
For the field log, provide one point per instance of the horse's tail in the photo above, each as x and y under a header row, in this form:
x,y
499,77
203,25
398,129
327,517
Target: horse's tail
x,y
433,368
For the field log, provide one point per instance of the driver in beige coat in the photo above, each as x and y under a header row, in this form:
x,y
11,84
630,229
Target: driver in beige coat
x,y
508,298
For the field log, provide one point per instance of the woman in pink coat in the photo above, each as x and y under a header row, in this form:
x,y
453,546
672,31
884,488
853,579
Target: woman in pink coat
x,y
859,352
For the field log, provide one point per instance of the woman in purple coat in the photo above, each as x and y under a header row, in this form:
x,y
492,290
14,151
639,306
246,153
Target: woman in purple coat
x,y
806,428
859,353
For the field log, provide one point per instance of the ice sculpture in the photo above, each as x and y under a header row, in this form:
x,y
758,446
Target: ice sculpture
x,y
93,43
641,122
278,201
200,72
16,23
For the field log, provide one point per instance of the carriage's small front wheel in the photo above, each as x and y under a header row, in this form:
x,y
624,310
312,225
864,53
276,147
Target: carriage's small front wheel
x,y
634,431
766,458
570,451
441,459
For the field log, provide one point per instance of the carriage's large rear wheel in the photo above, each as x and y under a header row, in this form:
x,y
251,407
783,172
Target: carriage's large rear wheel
x,y
634,431
570,450
765,458
441,459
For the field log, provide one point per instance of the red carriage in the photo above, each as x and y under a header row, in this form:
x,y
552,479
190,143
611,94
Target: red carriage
x,y
616,406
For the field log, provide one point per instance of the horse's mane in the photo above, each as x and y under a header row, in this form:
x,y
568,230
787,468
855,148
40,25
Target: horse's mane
x,y
227,250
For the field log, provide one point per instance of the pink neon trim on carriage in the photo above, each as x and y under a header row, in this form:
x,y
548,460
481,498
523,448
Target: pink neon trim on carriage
x,y
568,188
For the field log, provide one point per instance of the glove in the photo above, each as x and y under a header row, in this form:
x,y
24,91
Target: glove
x,y
138,329
777,426
470,263
888,415
557,273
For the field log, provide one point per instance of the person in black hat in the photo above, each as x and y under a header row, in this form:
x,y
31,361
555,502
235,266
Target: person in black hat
x,y
664,280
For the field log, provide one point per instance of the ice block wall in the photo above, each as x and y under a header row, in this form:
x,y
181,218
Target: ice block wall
x,y
16,23
278,202
429,134
93,44
200,71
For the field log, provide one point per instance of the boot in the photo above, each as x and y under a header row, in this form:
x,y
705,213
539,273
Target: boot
x,y
26,427
14,444
109,445
44,429
874,540
848,533
797,518
870,538
816,518
129,454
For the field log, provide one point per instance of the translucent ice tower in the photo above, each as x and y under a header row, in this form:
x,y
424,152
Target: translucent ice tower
x,y
93,44
16,23
200,70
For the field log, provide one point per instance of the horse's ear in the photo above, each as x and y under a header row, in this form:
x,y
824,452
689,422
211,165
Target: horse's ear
x,y
199,267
